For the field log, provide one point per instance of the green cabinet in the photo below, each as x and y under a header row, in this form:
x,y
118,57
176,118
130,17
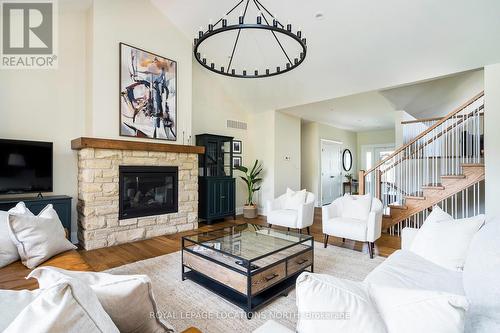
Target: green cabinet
x,y
216,185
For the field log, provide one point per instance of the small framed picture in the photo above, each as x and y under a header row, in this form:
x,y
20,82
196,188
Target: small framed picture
x,y
236,161
237,146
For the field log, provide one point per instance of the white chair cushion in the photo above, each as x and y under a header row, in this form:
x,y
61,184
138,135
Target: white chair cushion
x,y
329,304
38,238
407,270
8,250
481,278
356,207
283,217
446,242
68,306
417,311
294,199
128,299
346,228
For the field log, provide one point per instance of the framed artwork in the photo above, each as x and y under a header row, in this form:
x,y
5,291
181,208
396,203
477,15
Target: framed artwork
x,y
237,146
236,161
148,94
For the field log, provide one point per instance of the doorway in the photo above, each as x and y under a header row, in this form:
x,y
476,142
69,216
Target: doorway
x,y
371,155
331,171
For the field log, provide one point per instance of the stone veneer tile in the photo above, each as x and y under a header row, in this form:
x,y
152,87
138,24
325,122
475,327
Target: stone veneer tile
x,y
98,224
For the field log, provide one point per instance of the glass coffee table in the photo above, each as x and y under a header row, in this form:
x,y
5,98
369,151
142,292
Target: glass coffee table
x,y
248,265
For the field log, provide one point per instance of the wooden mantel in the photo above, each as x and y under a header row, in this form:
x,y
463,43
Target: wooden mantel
x,y
83,142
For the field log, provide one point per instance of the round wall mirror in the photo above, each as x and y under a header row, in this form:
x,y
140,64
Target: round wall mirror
x,y
347,160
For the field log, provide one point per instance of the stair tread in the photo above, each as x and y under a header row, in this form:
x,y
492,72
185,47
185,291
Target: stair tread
x,y
397,206
472,164
453,176
414,197
433,187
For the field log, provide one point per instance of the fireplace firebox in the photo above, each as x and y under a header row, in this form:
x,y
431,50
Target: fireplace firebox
x,y
147,191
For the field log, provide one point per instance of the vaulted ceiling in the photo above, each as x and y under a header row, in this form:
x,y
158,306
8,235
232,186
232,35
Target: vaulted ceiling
x,y
357,46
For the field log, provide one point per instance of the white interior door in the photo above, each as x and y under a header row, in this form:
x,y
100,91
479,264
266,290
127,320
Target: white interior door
x,y
331,172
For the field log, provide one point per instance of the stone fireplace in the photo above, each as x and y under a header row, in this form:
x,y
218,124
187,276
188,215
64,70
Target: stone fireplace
x,y
129,190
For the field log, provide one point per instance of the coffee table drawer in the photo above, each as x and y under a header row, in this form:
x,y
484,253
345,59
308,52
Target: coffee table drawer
x,y
299,262
268,277
217,272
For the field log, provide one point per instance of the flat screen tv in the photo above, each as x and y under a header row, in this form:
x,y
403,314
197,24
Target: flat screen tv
x,y
25,166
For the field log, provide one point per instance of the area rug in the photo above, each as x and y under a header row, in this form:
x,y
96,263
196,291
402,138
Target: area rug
x,y
185,304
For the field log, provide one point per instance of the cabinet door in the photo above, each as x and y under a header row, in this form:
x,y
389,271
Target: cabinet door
x,y
213,198
227,196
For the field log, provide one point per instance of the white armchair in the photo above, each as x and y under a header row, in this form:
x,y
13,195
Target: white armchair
x,y
299,218
363,230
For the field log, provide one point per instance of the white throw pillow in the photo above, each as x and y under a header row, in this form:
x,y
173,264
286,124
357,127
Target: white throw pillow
x,y
12,302
294,199
446,242
8,250
356,207
438,214
20,209
68,306
38,238
128,299
417,311
329,304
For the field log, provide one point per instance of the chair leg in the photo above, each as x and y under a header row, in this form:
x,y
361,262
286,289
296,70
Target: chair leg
x,y
370,249
269,225
288,229
325,240
343,240
300,231
308,231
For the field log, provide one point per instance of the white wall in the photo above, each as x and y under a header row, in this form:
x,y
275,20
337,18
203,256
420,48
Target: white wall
x,y
138,23
49,105
262,138
287,153
312,133
211,108
492,139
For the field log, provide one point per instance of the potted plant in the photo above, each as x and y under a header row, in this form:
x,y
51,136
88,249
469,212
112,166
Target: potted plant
x,y
349,177
252,180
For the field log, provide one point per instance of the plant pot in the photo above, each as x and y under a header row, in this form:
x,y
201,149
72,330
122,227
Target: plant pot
x,y
250,212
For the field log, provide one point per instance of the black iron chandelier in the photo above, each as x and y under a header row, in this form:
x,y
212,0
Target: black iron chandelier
x,y
264,21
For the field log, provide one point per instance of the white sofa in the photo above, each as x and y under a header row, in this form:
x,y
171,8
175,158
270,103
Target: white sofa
x,y
299,218
361,230
479,282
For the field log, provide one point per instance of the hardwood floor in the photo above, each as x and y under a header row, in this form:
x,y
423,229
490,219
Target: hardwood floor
x,y
105,258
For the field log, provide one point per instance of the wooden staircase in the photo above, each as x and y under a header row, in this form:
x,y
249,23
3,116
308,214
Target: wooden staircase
x,y
472,173
439,164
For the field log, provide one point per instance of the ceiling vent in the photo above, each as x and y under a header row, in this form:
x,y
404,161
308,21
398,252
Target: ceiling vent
x,y
236,124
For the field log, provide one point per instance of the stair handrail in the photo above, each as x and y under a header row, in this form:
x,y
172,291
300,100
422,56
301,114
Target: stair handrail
x,y
421,135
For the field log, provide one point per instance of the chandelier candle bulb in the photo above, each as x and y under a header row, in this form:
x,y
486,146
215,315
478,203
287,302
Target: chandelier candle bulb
x,y
278,69
244,72
299,34
240,19
296,61
259,20
267,71
204,60
233,71
275,22
289,27
287,65
256,72
222,69
224,22
200,33
304,41
212,65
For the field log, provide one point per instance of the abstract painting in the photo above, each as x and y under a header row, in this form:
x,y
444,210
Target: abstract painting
x,y
148,94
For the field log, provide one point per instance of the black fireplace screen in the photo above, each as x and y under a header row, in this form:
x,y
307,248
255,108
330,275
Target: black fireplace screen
x,y
148,190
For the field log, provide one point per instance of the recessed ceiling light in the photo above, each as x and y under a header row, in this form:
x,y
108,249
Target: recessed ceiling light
x,y
319,15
